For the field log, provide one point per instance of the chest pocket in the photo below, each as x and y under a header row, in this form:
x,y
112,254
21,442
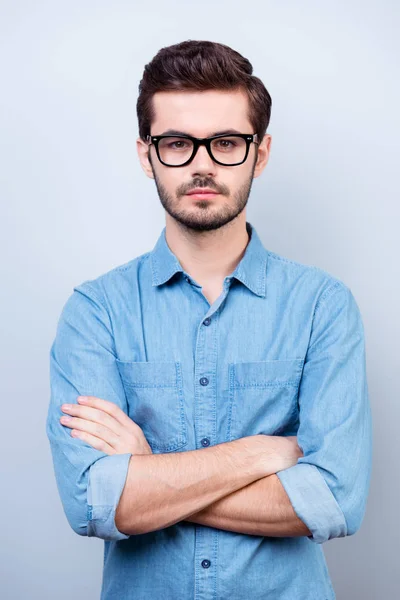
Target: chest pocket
x,y
154,393
263,397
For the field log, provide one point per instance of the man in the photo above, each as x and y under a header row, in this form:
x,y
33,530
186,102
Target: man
x,y
226,432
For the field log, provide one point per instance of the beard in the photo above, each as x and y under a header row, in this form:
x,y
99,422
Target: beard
x,y
206,215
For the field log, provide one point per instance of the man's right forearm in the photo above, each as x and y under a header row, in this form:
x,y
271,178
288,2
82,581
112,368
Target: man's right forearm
x,y
163,489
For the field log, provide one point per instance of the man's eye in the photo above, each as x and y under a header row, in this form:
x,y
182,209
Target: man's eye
x,y
174,145
226,143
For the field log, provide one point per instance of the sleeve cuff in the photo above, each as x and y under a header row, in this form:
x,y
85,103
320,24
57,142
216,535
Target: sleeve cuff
x,y
106,481
313,502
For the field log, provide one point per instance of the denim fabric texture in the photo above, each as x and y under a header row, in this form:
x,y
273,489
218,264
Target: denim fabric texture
x,y
280,352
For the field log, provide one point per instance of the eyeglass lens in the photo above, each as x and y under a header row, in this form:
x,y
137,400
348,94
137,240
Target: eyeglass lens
x,y
176,151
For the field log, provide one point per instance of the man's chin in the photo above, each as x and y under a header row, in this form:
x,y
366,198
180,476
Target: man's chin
x,y
205,223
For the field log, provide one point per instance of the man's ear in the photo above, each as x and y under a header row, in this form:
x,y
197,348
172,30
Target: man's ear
x,y
264,149
143,151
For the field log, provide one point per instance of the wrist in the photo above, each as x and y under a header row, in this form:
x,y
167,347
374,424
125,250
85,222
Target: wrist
x,y
251,454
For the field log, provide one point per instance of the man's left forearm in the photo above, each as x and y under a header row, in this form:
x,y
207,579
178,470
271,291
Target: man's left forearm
x,y
260,508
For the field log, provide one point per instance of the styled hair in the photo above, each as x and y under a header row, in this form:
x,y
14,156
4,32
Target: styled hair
x,y
202,65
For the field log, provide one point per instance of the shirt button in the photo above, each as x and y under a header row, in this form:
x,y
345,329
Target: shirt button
x,y
204,381
205,563
207,321
205,442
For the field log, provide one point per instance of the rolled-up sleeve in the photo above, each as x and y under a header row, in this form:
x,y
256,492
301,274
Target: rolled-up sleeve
x,y
328,486
82,362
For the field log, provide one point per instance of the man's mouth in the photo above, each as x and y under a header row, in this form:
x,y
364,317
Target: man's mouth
x,y
204,195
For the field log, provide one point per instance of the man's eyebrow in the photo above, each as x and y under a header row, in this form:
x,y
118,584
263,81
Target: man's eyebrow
x,y
176,132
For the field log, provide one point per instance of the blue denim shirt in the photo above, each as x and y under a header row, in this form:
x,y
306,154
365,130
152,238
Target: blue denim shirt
x,y
280,352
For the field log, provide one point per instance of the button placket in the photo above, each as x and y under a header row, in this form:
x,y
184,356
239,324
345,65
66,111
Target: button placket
x,y
205,420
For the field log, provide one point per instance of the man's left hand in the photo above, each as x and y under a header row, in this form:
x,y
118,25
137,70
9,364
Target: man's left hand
x,y
104,426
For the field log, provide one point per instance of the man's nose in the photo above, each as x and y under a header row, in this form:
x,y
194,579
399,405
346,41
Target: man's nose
x,y
202,161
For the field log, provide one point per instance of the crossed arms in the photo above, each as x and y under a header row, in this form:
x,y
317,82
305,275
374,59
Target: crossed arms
x,y
324,493
228,486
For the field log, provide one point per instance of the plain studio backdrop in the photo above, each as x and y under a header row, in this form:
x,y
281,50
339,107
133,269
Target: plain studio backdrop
x,y
76,203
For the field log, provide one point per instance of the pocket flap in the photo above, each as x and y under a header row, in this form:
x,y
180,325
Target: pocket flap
x,y
266,373
149,374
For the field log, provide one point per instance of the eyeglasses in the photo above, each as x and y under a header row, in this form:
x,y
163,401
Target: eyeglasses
x,y
179,150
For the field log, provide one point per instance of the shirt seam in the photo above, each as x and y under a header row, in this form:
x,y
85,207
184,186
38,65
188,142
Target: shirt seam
x,y
103,305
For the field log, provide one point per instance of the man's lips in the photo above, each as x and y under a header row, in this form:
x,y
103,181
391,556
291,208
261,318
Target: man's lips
x,y
200,194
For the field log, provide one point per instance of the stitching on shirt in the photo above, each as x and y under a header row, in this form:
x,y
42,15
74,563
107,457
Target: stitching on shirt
x,y
149,385
262,271
293,262
100,301
300,264
131,263
268,384
337,285
328,292
96,296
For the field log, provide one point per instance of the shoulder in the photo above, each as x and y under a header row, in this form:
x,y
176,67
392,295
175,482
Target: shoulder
x,y
119,280
307,279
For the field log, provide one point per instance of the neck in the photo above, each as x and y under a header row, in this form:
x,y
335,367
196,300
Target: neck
x,y
208,255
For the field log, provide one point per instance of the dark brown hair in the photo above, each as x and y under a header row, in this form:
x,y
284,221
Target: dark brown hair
x,y
202,65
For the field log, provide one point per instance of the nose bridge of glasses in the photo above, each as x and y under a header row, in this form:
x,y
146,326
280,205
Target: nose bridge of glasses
x,y
202,145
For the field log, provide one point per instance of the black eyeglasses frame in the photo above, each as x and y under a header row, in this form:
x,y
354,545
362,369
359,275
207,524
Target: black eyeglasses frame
x,y
197,142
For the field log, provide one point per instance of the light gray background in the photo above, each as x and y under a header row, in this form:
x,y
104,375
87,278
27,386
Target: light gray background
x,y
75,203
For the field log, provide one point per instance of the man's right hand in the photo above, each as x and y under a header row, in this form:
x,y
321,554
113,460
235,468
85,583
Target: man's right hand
x,y
277,452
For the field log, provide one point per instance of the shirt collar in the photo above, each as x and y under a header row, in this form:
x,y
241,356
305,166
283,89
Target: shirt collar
x,y
251,270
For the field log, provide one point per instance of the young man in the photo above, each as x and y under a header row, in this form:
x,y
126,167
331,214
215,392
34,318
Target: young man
x,y
227,429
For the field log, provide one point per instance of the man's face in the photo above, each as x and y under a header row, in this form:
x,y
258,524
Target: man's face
x,y
201,114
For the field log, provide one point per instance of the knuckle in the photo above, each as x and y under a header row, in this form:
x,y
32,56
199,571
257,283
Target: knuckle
x,y
108,421
113,409
100,416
